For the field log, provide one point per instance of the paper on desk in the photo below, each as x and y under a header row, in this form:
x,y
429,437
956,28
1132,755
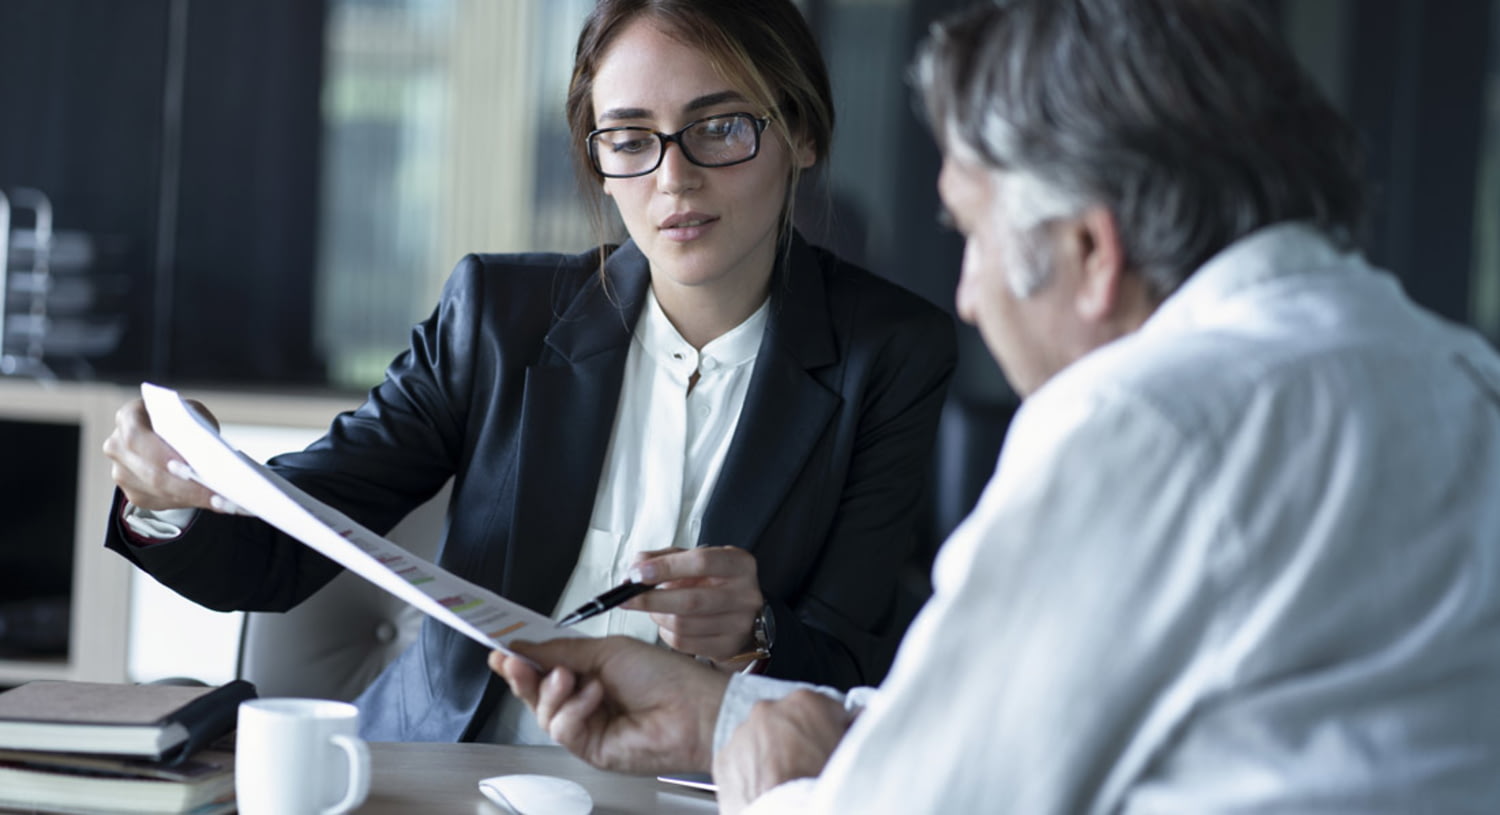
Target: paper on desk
x,y
474,611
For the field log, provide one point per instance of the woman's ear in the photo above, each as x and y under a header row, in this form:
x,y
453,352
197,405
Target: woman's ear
x,y
805,154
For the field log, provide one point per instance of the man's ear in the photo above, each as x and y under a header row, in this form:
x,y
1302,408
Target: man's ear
x,y
1101,259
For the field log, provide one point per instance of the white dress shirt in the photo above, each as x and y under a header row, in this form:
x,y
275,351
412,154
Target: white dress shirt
x,y
1246,559
664,456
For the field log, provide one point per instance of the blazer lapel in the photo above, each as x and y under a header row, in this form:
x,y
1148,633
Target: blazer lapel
x,y
786,407
567,416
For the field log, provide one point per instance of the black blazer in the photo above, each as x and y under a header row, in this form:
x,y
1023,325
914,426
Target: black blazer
x,y
511,386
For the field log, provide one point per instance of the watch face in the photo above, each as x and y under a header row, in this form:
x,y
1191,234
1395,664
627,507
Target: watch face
x,y
765,628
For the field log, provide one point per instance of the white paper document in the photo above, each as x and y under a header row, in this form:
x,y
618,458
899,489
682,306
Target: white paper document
x,y
474,611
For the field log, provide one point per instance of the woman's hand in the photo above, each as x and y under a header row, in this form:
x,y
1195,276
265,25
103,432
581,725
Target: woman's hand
x,y
150,473
706,599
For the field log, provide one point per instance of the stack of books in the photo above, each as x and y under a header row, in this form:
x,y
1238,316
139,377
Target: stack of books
x,y
92,747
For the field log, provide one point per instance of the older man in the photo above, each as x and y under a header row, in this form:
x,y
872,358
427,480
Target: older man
x,y
1242,550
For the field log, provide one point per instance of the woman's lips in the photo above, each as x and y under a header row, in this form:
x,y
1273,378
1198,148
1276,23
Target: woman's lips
x,y
687,227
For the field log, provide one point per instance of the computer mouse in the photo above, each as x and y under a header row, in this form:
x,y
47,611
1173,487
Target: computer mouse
x,y
537,795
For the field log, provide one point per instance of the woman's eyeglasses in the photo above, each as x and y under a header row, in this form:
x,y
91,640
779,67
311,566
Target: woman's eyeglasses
x,y
715,141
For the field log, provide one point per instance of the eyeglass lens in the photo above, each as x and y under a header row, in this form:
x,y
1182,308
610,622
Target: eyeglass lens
x,y
717,141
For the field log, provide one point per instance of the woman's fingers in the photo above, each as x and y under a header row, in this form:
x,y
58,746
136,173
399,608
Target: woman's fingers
x,y
663,565
701,600
717,625
706,598
149,471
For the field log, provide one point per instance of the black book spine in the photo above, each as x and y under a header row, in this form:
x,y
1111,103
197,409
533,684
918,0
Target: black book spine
x,y
209,717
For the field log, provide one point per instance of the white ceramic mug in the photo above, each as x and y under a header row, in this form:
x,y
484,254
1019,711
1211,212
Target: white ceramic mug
x,y
299,757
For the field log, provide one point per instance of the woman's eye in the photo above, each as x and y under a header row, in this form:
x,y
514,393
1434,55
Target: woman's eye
x,y
629,145
719,130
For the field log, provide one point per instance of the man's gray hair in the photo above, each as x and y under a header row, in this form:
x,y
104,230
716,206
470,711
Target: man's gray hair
x,y
1188,120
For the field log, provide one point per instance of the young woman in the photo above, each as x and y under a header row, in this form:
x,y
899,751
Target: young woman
x,y
714,406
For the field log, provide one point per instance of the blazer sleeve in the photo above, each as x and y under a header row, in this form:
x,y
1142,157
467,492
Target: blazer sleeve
x,y
375,464
843,627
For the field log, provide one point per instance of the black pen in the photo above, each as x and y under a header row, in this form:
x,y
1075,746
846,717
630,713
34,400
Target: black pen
x,y
605,602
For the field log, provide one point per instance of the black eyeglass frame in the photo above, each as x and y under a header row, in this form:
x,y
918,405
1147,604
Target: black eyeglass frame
x,y
760,122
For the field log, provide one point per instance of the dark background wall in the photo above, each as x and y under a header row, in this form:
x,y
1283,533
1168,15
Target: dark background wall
x,y
80,97
1415,87
184,135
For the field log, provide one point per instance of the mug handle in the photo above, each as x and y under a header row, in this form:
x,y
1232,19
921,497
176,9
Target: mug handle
x,y
359,773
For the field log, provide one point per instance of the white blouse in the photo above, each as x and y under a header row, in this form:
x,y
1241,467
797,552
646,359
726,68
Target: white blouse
x,y
664,456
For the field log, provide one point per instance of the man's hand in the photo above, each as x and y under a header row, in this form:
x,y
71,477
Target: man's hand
x,y
706,599
619,703
781,741
150,473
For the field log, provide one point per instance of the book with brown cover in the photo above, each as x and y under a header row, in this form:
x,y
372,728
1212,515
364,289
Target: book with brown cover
x,y
159,722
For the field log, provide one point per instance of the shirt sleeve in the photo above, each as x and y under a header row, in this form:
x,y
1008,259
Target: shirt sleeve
x,y
156,525
746,689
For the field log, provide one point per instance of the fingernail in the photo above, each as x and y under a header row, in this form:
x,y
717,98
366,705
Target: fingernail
x,y
222,504
179,469
642,573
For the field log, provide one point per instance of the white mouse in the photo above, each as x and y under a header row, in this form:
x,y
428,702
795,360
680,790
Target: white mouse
x,y
537,795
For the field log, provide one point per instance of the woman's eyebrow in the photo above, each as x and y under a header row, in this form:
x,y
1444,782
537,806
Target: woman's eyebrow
x,y
624,113
711,99
707,100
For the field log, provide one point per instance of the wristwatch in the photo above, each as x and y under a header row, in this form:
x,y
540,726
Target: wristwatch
x,y
763,632
762,636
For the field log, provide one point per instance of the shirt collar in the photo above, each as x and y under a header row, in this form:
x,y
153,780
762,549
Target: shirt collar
x,y
1265,256
660,338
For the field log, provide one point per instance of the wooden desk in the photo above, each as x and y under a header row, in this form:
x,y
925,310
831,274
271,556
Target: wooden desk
x,y
437,779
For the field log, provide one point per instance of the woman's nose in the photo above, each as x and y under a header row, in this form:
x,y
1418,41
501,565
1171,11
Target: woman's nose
x,y
676,174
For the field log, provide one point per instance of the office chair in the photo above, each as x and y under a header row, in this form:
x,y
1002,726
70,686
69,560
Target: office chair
x,y
336,642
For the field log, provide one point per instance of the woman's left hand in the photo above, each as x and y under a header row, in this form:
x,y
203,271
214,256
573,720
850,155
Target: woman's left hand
x,y
706,600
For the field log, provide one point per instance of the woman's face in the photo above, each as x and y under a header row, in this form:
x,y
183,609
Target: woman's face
x,y
706,230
